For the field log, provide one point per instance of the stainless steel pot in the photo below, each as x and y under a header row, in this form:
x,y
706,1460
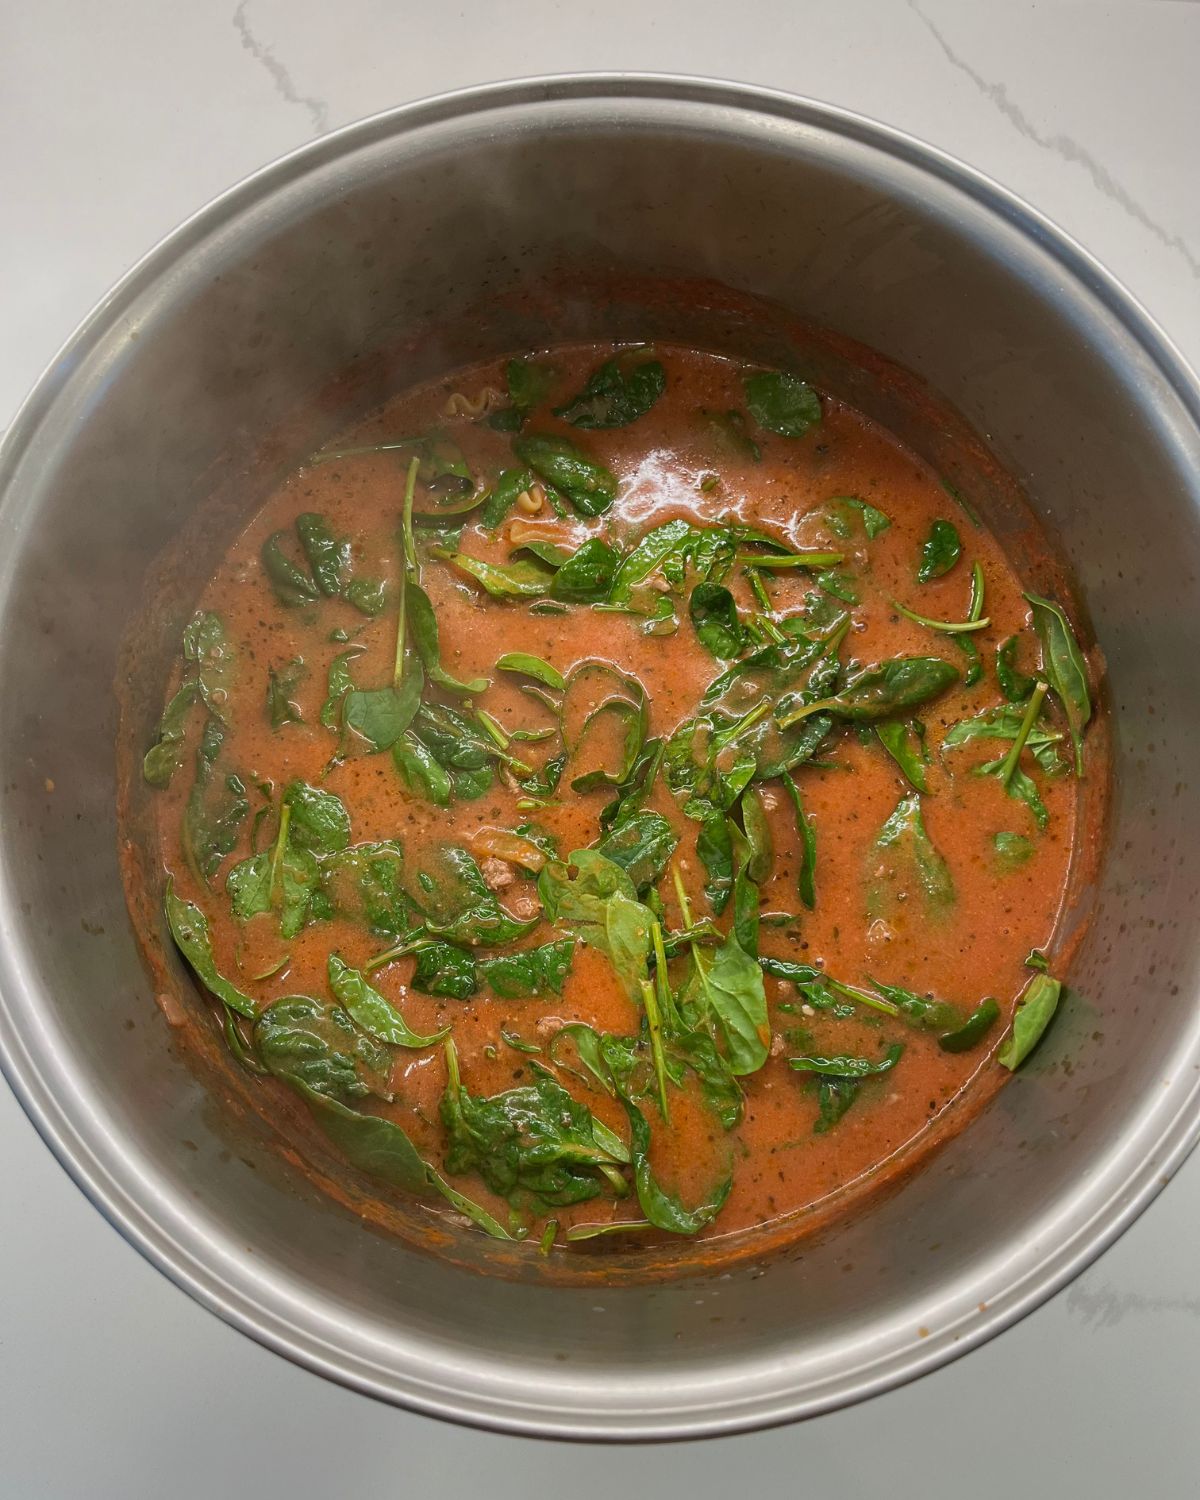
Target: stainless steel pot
x,y
343,258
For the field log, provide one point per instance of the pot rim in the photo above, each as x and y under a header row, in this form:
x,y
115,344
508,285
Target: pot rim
x,y
136,1222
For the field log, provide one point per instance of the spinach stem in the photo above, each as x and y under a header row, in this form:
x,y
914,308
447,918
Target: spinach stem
x,y
666,1001
594,1231
285,818
1032,710
727,736
401,950
408,566
654,1021
947,627
759,588
793,560
978,583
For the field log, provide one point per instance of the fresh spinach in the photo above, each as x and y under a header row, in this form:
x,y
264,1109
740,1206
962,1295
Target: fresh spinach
x,y
1035,1010
319,820
503,496
328,556
425,636
587,575
1065,668
881,690
843,1066
806,871
529,382
642,845
1014,684
715,617
904,741
165,756
527,578
1012,849
529,973
532,1145
445,969
373,1012
662,1208
973,1029
216,807
904,863
532,666
316,1044
293,587
595,899
618,393
590,487
382,1150
941,550
189,928
845,513
781,402
281,687
459,905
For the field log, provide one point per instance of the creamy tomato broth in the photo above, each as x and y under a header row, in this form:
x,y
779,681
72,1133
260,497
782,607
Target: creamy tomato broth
x,y
623,792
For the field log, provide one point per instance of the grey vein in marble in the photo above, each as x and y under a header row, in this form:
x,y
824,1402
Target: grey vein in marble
x,y
317,109
1062,145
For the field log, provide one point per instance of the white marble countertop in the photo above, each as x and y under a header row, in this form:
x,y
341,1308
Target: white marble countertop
x,y
119,119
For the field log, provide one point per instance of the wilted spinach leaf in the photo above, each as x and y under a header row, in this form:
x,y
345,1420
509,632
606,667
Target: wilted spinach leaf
x,y
216,808
1035,1010
619,392
904,741
530,972
317,1044
590,487
586,577
291,583
189,928
782,403
596,900
459,905
1065,668
373,1012
886,688
715,616
281,686
665,1209
445,969
941,550
165,756
534,1144
642,845
1014,683
904,864
328,556
845,513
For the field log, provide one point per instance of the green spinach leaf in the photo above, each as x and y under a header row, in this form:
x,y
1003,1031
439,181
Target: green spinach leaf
x,y
281,687
904,864
878,691
941,551
642,845
619,392
590,487
806,872
715,616
1065,667
189,928
328,556
165,756
1035,1010
373,1012
317,1044
529,973
595,899
782,403
664,1209
1014,683
904,741
586,577
534,1144
445,969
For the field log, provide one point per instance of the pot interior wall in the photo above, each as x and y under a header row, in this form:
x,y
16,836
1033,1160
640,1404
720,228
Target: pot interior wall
x,y
401,254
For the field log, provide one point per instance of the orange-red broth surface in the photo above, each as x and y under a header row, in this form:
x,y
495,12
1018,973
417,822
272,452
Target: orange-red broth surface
x,y
670,463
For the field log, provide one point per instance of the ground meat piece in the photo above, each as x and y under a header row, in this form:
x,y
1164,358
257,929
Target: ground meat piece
x,y
497,874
